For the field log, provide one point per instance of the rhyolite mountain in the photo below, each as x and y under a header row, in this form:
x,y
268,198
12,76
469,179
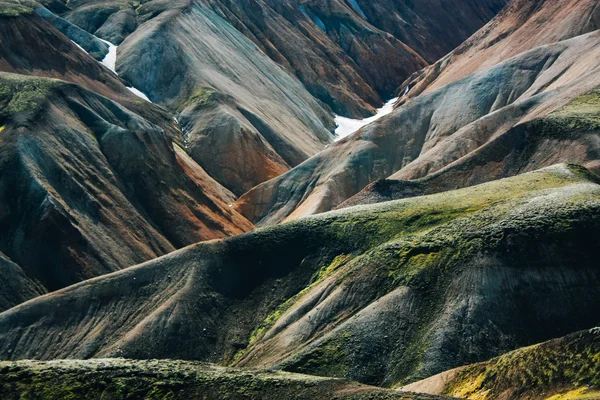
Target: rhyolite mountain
x,y
88,187
511,117
189,54
208,137
140,143
384,294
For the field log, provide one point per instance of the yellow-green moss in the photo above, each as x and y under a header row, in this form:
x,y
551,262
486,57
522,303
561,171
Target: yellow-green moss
x,y
274,316
568,367
24,94
202,97
16,8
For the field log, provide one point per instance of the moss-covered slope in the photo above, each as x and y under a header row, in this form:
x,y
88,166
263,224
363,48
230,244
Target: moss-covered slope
x,y
383,294
561,369
118,379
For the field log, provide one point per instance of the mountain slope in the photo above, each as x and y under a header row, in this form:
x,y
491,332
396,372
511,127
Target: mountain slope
x,y
442,127
565,368
167,379
521,26
344,57
569,133
89,187
381,294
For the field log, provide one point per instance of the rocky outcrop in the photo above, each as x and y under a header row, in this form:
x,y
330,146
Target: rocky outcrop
x,y
557,369
88,187
382,294
480,119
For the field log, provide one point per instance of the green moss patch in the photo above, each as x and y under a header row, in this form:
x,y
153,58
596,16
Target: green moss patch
x,y
16,8
567,368
118,379
20,94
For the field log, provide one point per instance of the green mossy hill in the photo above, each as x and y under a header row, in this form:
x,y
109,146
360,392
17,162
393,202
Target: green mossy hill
x,y
582,113
384,294
24,94
424,244
561,369
16,8
170,380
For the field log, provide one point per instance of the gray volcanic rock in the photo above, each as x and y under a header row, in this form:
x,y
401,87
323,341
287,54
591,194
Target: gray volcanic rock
x,y
570,133
444,126
88,187
31,46
15,286
383,294
112,20
94,46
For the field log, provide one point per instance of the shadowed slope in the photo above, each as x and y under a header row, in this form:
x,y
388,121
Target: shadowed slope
x,y
561,369
382,294
88,187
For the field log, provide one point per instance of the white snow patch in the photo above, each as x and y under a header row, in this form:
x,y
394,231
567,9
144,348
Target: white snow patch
x,y
110,60
347,126
140,94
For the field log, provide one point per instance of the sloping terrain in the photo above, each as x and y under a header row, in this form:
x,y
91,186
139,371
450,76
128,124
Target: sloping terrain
x,y
180,52
382,294
116,379
346,54
561,369
479,120
569,133
88,187
31,46
521,26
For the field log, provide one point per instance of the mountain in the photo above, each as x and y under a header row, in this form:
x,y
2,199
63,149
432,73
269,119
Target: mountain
x,y
488,125
383,294
188,56
521,26
564,368
88,187
347,54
